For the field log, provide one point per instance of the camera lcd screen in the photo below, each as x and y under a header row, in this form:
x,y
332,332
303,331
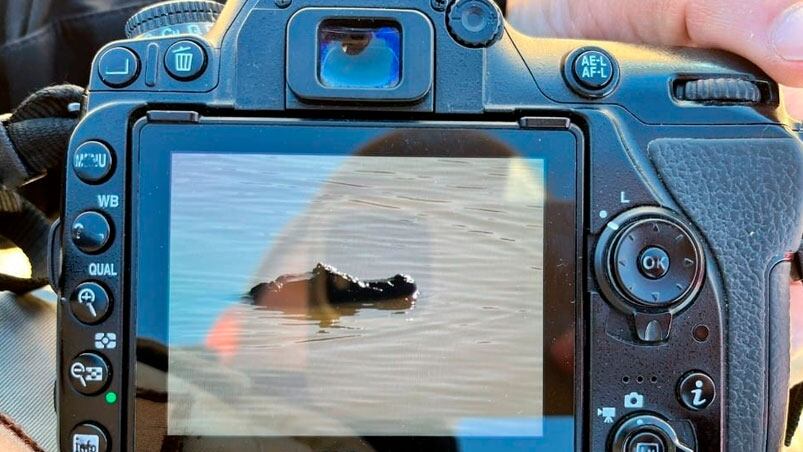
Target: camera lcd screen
x,y
384,286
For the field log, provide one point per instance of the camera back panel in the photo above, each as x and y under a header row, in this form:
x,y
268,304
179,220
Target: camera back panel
x,y
663,270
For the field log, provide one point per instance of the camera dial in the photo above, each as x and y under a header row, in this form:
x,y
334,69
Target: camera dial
x,y
173,18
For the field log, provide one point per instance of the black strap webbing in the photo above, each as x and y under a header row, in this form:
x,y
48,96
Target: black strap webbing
x,y
33,141
796,393
795,408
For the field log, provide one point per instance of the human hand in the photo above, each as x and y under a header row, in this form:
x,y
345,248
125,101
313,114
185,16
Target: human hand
x,y
767,32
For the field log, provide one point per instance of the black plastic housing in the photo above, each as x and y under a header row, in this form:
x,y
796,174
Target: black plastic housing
x,y
731,171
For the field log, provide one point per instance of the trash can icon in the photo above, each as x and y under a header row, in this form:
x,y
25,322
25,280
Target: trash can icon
x,y
183,59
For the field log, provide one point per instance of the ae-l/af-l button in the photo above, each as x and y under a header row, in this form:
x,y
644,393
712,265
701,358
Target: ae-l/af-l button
x,y
591,72
593,69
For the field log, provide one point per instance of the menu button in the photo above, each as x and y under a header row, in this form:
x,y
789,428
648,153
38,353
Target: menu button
x,y
92,162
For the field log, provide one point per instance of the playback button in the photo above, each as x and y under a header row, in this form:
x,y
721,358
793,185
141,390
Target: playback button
x,y
90,303
118,67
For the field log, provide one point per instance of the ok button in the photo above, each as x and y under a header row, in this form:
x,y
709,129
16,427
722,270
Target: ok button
x,y
653,262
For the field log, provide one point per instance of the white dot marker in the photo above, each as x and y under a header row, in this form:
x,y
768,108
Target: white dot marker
x,y
603,214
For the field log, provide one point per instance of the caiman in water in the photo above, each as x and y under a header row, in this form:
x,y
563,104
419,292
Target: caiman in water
x,y
325,285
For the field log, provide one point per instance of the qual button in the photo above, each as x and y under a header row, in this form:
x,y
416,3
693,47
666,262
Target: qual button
x,y
90,303
185,60
118,67
92,162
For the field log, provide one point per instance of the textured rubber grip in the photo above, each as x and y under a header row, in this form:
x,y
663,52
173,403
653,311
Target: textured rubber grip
x,y
746,196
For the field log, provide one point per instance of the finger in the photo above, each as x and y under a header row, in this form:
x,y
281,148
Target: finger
x,y
796,301
793,99
767,32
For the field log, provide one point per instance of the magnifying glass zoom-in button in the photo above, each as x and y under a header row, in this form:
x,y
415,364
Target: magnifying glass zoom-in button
x,y
90,303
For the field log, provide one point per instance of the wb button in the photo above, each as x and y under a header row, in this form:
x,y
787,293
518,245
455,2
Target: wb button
x,y
653,262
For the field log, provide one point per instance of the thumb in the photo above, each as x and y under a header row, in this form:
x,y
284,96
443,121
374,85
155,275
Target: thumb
x,y
767,32
794,103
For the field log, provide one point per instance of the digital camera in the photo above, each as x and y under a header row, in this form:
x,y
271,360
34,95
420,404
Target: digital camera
x,y
351,225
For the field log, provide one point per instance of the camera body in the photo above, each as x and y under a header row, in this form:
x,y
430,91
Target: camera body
x,y
670,197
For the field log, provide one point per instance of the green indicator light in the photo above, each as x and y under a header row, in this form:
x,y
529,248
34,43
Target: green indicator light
x,y
111,397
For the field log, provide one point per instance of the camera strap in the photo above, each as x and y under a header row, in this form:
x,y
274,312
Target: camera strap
x,y
795,409
33,141
796,393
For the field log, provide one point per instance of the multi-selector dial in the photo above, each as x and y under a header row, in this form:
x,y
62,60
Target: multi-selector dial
x,y
649,259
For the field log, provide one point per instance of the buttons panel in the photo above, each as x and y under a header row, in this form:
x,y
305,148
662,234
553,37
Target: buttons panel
x,y
91,339
178,65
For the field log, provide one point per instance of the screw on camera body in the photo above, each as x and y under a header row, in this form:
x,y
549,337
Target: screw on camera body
x,y
282,3
439,5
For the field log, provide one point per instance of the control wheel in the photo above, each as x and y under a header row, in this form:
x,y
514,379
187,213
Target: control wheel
x,y
648,259
646,432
